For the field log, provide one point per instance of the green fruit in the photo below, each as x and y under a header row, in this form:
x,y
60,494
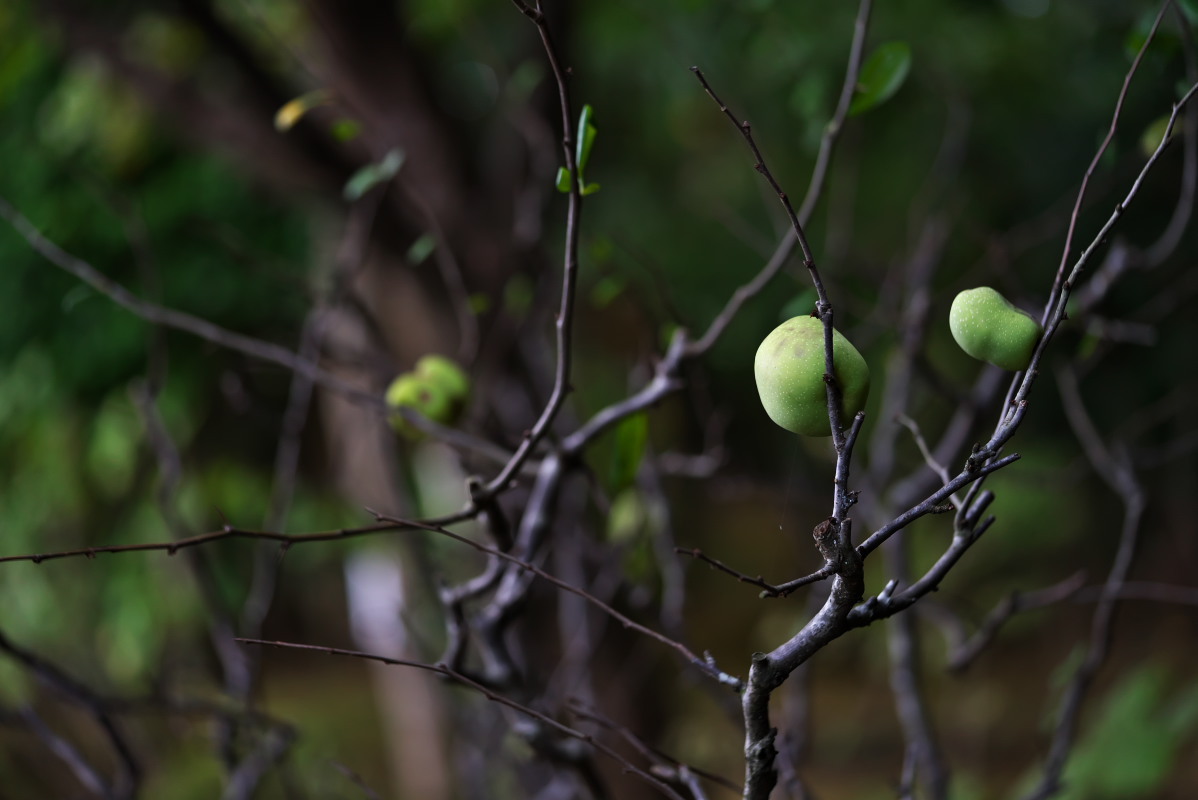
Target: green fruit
x,y
445,373
789,368
412,391
990,329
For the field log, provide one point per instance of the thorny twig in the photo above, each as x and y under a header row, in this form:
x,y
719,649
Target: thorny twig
x,y
458,677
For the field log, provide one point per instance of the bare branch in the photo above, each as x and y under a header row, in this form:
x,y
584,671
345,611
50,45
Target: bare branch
x,y
152,312
564,323
815,188
1057,285
464,680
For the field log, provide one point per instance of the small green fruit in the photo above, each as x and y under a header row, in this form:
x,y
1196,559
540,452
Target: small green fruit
x,y
990,329
445,373
789,368
412,391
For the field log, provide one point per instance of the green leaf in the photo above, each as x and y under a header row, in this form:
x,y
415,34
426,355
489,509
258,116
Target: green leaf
x,y
563,180
590,189
480,303
372,175
627,516
881,76
345,130
607,290
420,249
1190,9
1152,136
586,138
294,110
632,434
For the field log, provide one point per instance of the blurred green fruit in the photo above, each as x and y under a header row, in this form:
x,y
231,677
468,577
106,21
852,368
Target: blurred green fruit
x,y
789,368
419,394
990,329
445,373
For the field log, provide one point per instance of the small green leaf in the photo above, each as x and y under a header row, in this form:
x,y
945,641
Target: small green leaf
x,y
627,516
1152,136
590,189
372,175
563,180
480,303
345,130
420,249
586,137
292,111
881,76
632,434
517,295
607,290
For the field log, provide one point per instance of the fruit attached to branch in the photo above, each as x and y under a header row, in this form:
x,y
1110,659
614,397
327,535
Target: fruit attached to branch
x,y
990,329
789,368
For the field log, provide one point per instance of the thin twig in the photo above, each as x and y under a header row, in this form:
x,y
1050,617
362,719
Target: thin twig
x,y
458,677
701,663
1115,468
824,306
564,324
1057,284
170,318
663,763
767,589
815,187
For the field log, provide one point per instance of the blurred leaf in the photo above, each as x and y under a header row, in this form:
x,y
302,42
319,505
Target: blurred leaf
x,y
590,189
882,74
632,434
586,138
111,455
480,303
1135,739
523,80
294,110
345,130
1190,8
627,516
165,43
606,290
372,175
517,295
1155,133
563,180
421,249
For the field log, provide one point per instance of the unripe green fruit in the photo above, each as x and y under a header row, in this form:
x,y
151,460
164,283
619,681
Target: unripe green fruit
x,y
445,373
990,329
789,368
412,391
